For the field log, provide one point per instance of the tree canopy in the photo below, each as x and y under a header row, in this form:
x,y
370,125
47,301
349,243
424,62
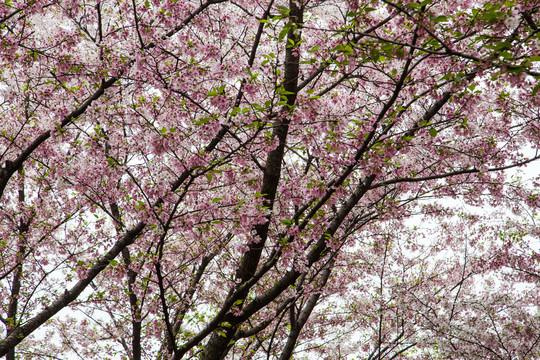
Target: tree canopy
x,y
269,179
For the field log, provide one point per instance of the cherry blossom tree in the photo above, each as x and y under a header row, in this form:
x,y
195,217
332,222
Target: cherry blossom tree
x,y
236,179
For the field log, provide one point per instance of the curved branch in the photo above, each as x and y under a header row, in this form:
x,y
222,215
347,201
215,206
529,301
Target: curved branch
x,y
18,334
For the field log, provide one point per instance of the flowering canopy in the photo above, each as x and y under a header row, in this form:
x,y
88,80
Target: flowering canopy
x,y
233,179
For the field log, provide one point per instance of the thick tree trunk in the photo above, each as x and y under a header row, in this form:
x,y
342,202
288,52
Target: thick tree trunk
x,y
222,339
24,225
13,305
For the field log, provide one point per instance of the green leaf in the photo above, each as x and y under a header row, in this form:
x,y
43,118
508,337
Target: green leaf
x,y
375,54
502,45
433,132
440,19
408,138
283,9
284,32
491,15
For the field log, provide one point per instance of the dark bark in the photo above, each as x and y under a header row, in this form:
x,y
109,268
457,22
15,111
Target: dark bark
x,y
217,348
13,304
298,323
135,309
136,350
11,167
18,334
222,339
11,323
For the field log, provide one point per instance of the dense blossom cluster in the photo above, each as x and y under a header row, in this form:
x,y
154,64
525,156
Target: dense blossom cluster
x,y
245,179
